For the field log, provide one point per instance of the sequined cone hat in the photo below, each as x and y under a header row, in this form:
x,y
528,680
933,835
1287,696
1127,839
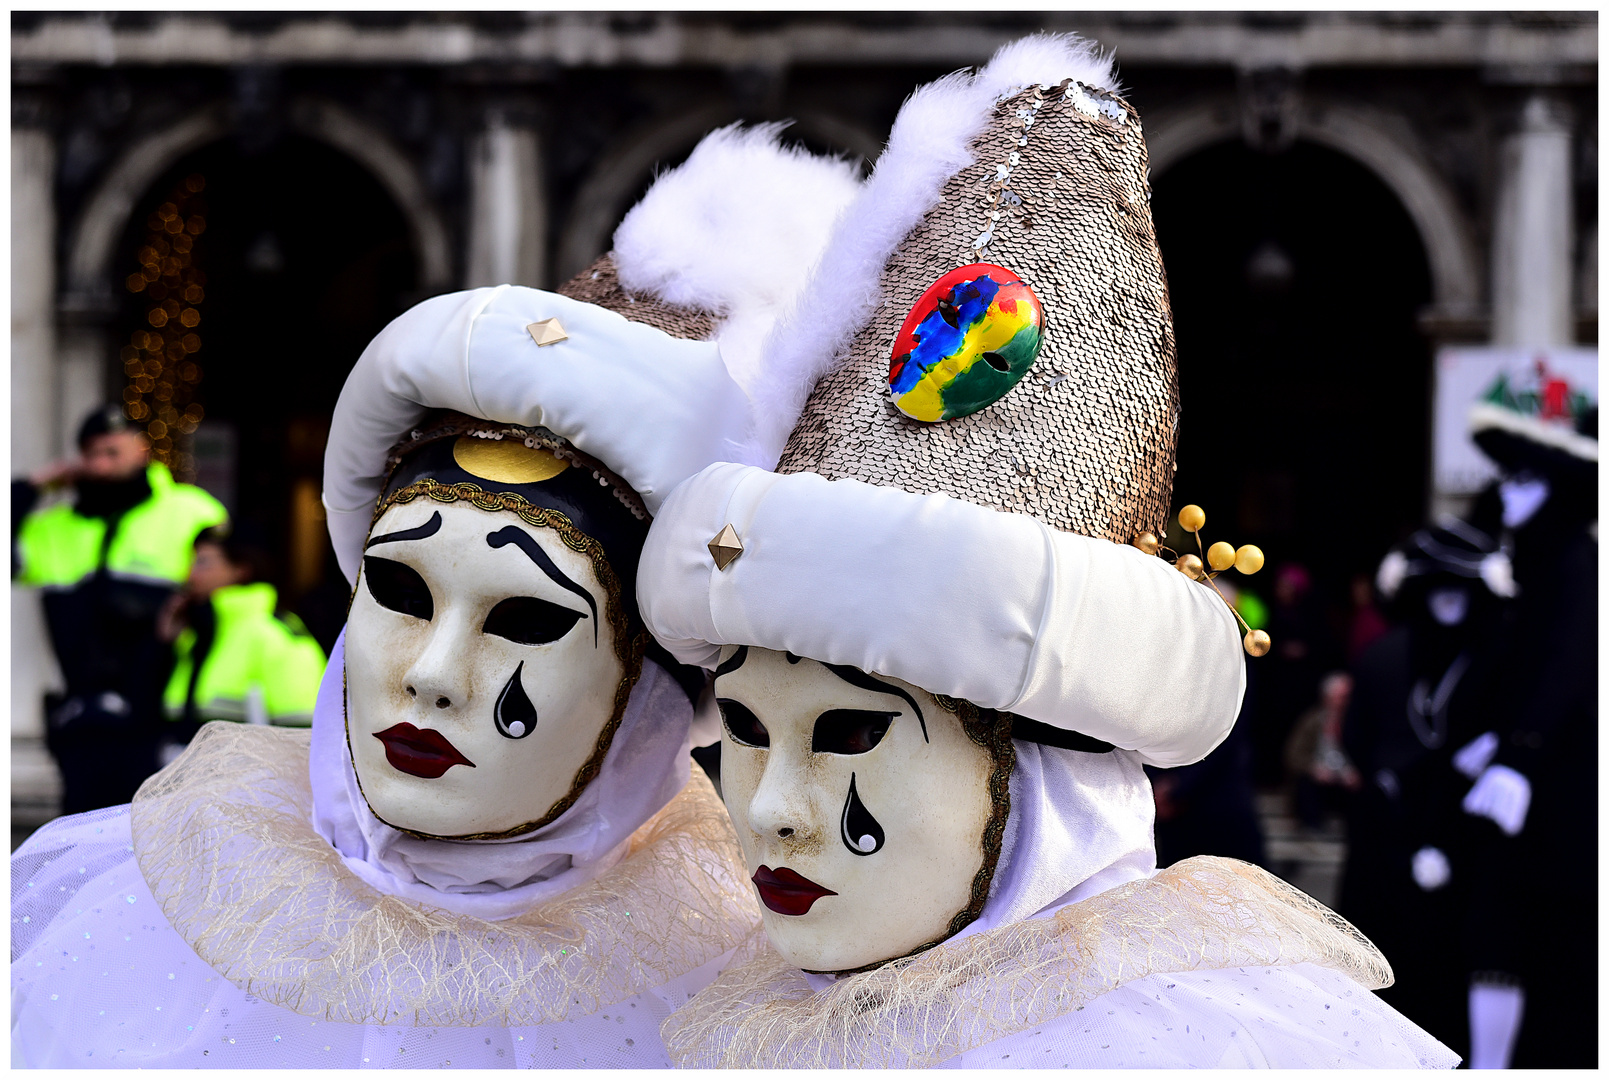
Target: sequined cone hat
x,y
991,319
970,414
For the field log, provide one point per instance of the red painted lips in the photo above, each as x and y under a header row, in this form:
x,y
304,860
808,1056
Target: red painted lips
x,y
786,892
424,753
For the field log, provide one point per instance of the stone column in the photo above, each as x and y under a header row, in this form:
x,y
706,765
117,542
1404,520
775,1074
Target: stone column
x,y
36,439
84,375
1532,282
34,436
507,207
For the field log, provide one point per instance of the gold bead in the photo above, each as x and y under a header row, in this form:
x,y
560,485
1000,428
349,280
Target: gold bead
x,y
1221,556
1258,643
1148,543
1248,560
1192,518
1190,567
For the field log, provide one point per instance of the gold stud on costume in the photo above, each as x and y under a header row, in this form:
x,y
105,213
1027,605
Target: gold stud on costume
x,y
547,332
1248,559
725,547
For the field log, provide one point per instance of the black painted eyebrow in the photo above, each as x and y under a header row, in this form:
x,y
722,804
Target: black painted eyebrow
x,y
850,675
857,677
429,528
733,662
517,536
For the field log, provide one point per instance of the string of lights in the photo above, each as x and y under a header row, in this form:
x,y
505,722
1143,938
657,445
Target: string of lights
x,y
163,375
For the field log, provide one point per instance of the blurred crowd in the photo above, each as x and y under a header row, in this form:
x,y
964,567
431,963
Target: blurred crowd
x,y
1448,719
1448,722
159,614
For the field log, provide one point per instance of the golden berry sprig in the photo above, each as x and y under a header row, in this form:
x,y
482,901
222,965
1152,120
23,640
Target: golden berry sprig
x,y
1209,563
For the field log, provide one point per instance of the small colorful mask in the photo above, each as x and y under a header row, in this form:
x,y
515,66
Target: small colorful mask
x,y
492,640
869,812
967,341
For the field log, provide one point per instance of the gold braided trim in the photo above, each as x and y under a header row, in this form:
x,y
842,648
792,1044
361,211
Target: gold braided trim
x,y
628,647
224,839
1199,914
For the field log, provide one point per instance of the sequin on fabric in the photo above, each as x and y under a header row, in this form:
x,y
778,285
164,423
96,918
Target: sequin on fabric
x,y
224,839
1085,442
1200,914
600,284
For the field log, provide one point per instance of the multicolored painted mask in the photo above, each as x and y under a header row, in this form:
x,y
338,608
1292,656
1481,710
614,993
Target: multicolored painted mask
x,y
869,812
967,341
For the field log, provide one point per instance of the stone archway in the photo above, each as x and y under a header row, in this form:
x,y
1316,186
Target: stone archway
x,y
372,148
90,275
1385,145
617,176
94,238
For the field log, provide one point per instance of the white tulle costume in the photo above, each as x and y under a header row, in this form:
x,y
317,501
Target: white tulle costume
x,y
260,861
249,910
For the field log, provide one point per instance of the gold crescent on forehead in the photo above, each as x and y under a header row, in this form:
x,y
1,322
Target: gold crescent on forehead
x,y
507,460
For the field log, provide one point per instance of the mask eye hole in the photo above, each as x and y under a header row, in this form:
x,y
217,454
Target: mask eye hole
x,y
530,621
742,725
398,587
849,731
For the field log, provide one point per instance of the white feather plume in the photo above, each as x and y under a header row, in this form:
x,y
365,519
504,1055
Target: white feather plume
x,y
736,230
1045,59
928,145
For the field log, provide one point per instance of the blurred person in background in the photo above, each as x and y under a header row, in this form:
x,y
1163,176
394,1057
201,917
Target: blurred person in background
x,y
1366,623
1533,995
237,657
1321,773
107,561
1290,673
1422,694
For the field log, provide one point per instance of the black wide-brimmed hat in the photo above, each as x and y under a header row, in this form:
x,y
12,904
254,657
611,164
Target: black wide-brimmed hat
x,y
1452,550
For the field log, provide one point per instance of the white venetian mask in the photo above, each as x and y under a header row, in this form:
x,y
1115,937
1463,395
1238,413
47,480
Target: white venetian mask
x,y
481,671
868,814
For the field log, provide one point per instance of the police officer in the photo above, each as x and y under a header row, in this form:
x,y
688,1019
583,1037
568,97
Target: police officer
x,y
237,657
107,562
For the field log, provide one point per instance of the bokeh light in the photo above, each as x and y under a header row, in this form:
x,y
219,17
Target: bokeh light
x,y
162,382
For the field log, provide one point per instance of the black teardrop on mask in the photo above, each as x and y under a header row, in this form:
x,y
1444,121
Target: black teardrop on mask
x,y
857,828
514,715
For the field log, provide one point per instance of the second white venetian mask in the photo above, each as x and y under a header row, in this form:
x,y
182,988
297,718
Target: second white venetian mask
x,y
861,804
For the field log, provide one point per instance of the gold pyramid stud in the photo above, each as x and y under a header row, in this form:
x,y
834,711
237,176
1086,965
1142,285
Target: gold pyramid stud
x,y
725,547
547,332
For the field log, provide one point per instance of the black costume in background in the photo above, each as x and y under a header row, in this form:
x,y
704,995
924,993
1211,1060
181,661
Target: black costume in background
x,y
1410,799
1538,912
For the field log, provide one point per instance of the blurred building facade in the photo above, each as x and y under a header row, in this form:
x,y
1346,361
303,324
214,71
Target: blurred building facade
x,y
1336,195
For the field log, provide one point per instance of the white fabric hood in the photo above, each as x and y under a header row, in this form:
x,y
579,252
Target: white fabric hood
x,y
734,232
